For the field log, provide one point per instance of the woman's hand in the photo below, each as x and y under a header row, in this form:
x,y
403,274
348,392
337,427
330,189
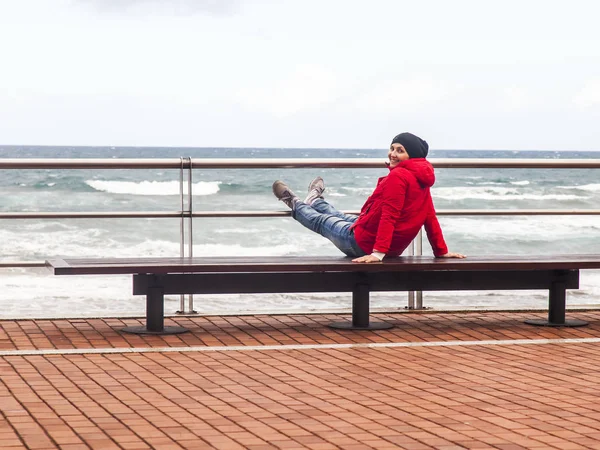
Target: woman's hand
x,y
453,255
366,259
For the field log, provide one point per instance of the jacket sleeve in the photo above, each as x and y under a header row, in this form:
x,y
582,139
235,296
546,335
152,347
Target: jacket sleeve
x,y
392,202
434,231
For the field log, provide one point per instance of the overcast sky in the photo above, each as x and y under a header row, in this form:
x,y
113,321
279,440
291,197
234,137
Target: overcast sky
x,y
463,74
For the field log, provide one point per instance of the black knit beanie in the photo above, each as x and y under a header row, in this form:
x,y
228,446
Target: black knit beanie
x,y
414,145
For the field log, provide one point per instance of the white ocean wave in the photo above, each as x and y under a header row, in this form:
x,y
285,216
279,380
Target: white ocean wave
x,y
153,187
520,183
496,193
238,230
494,230
49,225
584,187
93,244
486,183
355,191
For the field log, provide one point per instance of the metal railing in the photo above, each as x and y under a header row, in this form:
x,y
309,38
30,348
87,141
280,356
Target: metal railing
x,y
186,165
287,163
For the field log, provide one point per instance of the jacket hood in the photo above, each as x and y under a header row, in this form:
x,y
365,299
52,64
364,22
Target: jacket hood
x,y
421,169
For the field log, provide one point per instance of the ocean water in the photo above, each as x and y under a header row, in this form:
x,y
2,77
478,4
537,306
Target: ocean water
x,y
36,292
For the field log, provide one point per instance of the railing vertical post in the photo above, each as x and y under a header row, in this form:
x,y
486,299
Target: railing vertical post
x,y
191,231
190,237
181,230
419,246
411,294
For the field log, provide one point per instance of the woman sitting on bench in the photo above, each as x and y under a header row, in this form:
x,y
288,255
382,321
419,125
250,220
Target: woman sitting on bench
x,y
390,218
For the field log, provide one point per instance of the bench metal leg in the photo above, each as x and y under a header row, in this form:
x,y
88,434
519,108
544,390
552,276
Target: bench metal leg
x,y
557,308
360,312
155,315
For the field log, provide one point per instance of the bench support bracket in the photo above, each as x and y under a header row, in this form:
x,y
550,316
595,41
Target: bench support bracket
x,y
155,313
557,305
360,312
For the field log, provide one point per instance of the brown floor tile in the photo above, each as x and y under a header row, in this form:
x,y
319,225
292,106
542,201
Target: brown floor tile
x,y
424,397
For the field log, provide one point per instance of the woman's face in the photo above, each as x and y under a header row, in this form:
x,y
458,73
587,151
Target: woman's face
x,y
397,154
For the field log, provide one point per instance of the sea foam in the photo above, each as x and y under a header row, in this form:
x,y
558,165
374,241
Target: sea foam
x,y
585,187
153,187
497,193
493,230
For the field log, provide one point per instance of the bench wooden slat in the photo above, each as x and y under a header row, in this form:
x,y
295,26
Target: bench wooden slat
x,y
88,266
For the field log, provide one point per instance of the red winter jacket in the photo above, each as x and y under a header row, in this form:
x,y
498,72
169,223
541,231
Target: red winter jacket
x,y
395,212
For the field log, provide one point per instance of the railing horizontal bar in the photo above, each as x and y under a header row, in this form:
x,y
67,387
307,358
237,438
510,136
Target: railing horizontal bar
x,y
91,214
176,214
88,163
288,163
518,212
516,163
338,163
439,212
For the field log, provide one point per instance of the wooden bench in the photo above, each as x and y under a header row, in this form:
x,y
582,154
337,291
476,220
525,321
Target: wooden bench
x,y
155,277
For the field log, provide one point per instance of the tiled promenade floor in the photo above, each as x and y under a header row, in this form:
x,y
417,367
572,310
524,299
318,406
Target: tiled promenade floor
x,y
435,381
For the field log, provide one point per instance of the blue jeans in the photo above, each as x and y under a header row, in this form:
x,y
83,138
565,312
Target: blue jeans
x,y
324,219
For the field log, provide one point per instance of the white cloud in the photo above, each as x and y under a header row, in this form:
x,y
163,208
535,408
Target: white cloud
x,y
306,87
515,98
404,95
311,72
177,7
589,95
